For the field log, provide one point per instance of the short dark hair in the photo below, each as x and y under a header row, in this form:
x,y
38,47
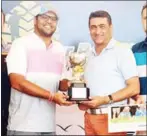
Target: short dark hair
x,y
100,13
144,7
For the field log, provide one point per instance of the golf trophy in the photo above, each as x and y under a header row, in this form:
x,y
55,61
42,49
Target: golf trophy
x,y
78,90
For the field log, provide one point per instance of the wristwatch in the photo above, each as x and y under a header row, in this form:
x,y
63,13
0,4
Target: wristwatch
x,y
110,99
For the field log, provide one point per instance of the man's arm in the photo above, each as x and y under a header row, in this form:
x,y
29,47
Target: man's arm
x,y
128,69
130,90
19,83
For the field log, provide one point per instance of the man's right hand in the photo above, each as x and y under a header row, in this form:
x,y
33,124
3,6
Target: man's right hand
x,y
61,99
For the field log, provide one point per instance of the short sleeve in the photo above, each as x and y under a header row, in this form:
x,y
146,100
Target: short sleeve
x,y
127,64
16,59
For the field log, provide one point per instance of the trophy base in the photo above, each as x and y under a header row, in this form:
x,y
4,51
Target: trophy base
x,y
78,100
78,92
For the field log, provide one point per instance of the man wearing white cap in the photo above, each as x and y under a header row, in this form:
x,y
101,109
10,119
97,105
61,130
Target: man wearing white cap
x,y
35,64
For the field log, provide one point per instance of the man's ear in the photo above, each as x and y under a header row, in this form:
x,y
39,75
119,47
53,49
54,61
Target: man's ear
x,y
111,27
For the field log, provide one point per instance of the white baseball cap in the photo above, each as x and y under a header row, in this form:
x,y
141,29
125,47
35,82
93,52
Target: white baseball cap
x,y
44,8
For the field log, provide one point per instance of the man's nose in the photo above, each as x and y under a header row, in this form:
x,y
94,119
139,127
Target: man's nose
x,y
49,20
98,31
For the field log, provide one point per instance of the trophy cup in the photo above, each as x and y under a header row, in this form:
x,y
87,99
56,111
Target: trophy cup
x,y
78,90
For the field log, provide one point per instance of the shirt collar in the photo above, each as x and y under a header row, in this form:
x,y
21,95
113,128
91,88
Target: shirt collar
x,y
51,44
110,45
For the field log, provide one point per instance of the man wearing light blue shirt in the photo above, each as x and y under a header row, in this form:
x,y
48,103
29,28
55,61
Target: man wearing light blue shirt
x,y
110,74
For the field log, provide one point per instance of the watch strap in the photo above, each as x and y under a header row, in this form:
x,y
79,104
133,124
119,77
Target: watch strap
x,y
111,99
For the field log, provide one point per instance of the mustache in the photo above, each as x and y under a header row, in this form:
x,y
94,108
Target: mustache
x,y
98,35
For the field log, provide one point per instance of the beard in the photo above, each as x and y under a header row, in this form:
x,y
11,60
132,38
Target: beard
x,y
44,33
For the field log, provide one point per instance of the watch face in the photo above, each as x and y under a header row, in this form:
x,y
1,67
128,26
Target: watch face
x,y
110,97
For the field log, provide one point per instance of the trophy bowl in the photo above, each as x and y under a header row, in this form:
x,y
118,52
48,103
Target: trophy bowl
x,y
77,61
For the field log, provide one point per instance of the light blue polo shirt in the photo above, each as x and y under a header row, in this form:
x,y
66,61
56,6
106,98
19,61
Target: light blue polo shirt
x,y
107,72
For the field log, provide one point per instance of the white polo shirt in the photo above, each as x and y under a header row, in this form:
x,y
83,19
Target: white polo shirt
x,y
107,72
42,66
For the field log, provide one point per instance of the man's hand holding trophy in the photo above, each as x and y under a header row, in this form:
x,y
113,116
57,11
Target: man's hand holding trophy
x,y
76,86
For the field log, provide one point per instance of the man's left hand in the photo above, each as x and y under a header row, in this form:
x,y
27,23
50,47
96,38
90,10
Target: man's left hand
x,y
94,102
64,84
138,99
